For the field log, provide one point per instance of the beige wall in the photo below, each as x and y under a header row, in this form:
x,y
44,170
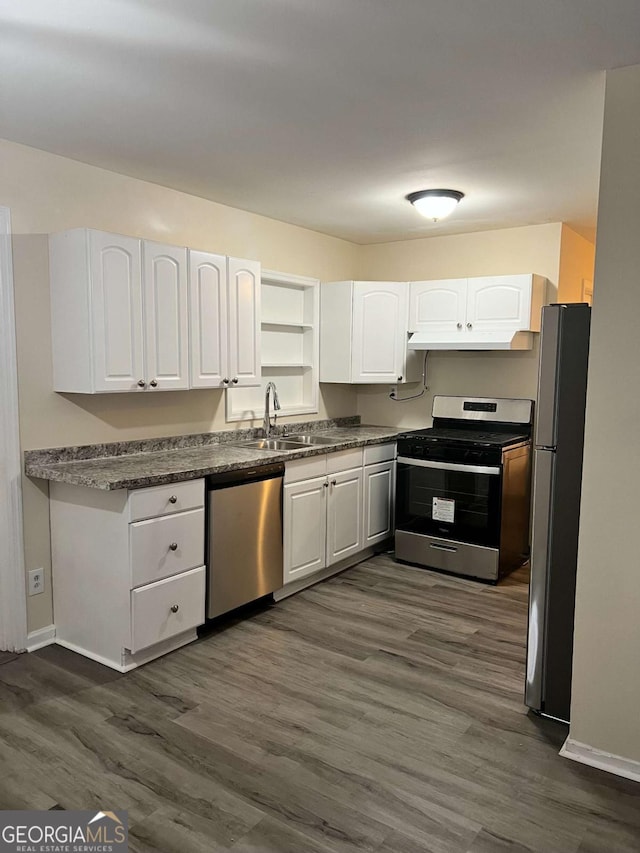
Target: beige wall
x,y
577,258
533,249
47,193
605,709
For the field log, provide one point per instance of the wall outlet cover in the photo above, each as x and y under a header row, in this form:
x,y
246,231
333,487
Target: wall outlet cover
x,y
36,581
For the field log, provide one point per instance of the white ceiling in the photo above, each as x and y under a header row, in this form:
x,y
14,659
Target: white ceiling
x,y
326,113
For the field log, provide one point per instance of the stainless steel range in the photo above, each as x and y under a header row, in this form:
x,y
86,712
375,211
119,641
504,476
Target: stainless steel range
x,y
463,488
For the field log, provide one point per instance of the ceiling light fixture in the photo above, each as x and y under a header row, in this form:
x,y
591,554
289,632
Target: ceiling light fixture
x,y
435,204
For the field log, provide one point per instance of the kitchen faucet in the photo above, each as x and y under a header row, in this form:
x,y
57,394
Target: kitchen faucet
x,y
266,424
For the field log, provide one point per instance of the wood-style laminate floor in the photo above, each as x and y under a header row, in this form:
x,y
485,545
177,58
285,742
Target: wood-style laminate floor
x,y
380,711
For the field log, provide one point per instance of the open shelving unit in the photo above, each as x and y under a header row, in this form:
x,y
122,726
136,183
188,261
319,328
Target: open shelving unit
x,y
289,349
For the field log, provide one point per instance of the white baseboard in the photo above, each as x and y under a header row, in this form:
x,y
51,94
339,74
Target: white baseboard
x,y
616,764
130,661
41,638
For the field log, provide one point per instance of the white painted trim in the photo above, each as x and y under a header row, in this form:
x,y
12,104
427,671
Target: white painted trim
x,y
616,764
129,661
73,647
41,638
328,572
13,602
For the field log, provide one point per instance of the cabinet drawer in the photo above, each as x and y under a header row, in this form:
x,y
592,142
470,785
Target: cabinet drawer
x,y
151,546
344,460
305,469
152,608
379,453
162,500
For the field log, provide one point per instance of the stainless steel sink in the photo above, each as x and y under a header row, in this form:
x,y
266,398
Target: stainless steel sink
x,y
272,444
310,438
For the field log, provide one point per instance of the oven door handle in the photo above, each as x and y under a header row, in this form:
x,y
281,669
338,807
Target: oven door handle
x,y
450,466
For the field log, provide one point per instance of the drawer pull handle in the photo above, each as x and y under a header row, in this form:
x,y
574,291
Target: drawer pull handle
x,y
173,546
173,499
175,608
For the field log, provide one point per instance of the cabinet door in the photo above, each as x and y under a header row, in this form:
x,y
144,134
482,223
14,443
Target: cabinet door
x,y
305,528
379,337
208,320
498,302
166,324
379,490
244,322
438,306
344,515
116,306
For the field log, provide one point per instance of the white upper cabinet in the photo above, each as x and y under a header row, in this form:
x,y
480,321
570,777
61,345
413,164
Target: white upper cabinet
x,y
208,320
134,315
97,312
224,312
166,323
116,333
500,301
363,333
438,306
119,313
244,322
487,312
379,331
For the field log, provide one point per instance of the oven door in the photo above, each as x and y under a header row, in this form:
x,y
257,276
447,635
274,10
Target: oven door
x,y
449,500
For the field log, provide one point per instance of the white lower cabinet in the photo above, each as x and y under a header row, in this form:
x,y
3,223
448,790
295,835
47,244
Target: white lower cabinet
x,y
305,528
344,515
335,506
378,504
168,607
128,570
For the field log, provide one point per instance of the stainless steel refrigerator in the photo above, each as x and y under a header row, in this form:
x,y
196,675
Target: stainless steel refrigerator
x,y
558,443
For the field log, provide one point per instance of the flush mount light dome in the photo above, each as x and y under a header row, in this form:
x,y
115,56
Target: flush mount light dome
x,y
435,204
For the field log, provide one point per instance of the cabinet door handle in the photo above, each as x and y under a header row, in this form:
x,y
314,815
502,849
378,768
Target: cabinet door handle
x,y
334,482
225,381
175,608
142,383
469,325
326,485
399,378
173,546
458,325
235,380
154,383
173,499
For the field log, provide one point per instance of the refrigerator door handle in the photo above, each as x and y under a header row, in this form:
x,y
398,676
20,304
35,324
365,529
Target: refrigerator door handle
x,y
542,497
548,371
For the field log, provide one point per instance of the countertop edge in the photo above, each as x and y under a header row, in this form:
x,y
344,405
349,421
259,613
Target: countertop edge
x,y
60,473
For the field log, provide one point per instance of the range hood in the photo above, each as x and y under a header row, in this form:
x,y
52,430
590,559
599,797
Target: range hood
x,y
495,339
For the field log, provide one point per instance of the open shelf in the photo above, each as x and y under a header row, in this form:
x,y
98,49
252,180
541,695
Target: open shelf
x,y
289,344
285,366
277,325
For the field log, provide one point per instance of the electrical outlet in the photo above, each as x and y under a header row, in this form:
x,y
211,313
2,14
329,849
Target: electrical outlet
x,y
36,581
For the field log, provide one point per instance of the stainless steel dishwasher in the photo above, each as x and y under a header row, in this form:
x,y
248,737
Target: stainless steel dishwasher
x,y
244,536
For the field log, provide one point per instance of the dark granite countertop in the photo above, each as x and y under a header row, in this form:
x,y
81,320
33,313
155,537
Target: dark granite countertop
x,y
132,466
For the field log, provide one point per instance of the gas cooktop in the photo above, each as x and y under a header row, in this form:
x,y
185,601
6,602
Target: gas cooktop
x,y
465,436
